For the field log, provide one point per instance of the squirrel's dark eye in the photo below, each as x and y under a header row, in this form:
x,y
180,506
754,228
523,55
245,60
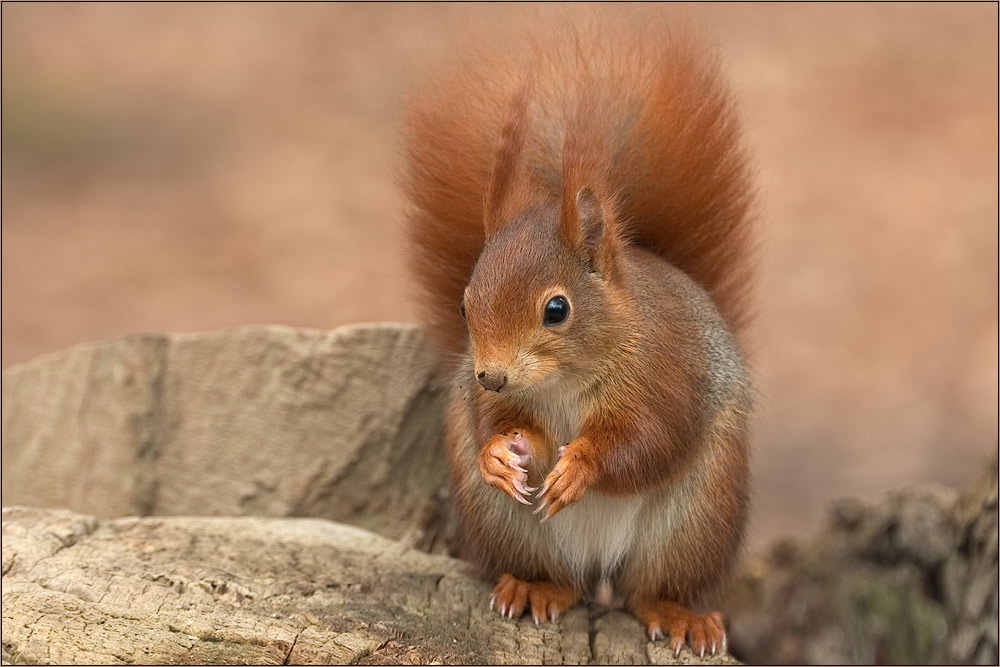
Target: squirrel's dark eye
x,y
556,311
461,309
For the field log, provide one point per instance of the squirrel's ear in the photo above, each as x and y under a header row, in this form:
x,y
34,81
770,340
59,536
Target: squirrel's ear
x,y
591,218
592,234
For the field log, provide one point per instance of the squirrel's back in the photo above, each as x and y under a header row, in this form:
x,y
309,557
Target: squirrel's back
x,y
642,116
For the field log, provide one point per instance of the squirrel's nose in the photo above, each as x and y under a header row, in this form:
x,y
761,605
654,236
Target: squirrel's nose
x,y
492,380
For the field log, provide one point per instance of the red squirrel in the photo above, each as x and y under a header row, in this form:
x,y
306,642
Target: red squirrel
x,y
580,226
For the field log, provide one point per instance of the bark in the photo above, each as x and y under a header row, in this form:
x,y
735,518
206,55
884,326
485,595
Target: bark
x,y
265,421
911,579
269,591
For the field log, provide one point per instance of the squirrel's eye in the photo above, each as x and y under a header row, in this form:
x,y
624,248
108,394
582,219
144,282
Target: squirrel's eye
x,y
461,309
556,311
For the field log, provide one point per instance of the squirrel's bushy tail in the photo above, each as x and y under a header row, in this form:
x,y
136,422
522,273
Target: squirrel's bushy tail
x,y
641,116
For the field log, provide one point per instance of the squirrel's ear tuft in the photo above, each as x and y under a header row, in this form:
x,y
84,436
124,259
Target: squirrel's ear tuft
x,y
507,166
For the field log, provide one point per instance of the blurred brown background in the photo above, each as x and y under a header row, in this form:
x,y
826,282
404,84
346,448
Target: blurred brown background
x,y
185,167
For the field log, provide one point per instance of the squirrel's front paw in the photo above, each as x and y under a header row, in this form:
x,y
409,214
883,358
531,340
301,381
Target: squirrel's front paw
x,y
573,474
502,463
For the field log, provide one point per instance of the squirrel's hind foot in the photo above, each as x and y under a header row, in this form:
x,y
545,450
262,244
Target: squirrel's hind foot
x,y
548,601
708,632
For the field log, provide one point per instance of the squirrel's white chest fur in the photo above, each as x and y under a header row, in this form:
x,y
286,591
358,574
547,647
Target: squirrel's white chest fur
x,y
594,534
561,415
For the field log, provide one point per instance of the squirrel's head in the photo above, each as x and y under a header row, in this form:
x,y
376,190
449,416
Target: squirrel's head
x,y
540,305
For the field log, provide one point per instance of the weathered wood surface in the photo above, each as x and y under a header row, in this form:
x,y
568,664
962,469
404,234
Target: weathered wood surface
x,y
269,591
261,420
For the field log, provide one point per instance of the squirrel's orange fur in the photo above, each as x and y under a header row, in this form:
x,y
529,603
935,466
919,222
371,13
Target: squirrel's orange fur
x,y
603,168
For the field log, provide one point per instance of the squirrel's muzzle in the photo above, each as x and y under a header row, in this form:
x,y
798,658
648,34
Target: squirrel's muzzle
x,y
492,379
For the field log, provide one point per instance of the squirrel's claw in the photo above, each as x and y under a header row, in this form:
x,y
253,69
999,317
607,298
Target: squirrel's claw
x,y
704,633
512,490
522,487
501,464
572,475
545,599
541,508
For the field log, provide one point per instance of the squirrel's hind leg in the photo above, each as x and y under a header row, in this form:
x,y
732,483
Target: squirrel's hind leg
x,y
708,632
548,601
